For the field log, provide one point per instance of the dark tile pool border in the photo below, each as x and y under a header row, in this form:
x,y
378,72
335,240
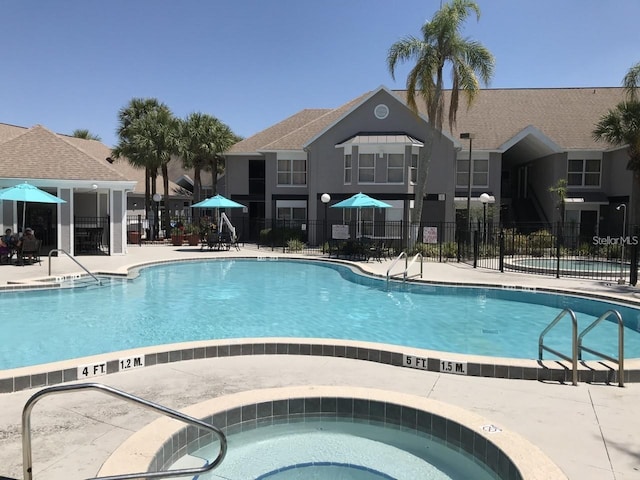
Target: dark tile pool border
x,y
541,370
458,437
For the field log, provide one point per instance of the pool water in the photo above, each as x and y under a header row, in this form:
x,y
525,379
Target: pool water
x,y
247,298
334,449
574,265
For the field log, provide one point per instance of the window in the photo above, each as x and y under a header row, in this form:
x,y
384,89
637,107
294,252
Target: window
x,y
367,168
291,213
583,173
395,168
292,172
347,169
479,172
413,170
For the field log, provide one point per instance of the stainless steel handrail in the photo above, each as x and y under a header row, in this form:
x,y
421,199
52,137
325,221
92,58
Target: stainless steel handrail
x,y
413,260
574,342
77,262
26,430
402,254
620,359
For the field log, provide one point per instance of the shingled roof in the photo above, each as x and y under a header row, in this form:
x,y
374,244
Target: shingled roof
x,y
566,115
40,153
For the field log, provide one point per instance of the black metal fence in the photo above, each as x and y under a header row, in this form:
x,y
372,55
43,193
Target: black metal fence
x,y
91,235
553,251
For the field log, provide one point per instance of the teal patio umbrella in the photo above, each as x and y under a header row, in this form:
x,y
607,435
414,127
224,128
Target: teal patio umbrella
x,y
217,202
360,201
27,193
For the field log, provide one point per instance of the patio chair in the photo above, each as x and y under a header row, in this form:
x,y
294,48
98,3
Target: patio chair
x,y
30,248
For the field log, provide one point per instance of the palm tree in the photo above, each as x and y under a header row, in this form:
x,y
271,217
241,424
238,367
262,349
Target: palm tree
x,y
621,126
441,45
86,134
198,146
224,140
149,136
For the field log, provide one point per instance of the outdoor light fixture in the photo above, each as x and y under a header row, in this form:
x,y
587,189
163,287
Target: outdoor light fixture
x,y
485,198
470,137
622,240
325,198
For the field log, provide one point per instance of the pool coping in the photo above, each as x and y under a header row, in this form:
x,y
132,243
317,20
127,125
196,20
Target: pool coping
x,y
92,367
163,440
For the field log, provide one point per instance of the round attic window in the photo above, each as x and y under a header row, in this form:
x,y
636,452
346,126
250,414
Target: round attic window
x,y
381,111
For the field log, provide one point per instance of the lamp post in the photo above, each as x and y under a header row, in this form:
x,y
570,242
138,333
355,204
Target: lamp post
x,y
470,137
156,203
325,198
622,240
484,198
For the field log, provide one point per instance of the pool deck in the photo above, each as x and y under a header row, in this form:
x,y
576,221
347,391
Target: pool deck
x,y
590,431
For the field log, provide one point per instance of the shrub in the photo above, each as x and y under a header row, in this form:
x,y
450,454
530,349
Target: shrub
x,y
295,245
278,237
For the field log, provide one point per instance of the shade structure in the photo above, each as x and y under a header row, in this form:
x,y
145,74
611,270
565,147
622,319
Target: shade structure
x,y
217,201
360,201
27,193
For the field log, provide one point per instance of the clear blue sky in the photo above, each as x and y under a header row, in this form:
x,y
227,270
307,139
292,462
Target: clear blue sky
x,y
251,63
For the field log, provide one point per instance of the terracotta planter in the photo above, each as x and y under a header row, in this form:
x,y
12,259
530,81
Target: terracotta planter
x,y
134,237
193,239
177,240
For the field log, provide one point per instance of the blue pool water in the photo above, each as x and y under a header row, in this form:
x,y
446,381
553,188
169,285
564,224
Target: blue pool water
x,y
334,450
247,298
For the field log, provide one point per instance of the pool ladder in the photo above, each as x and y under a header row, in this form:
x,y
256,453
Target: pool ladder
x,y
76,261
407,265
26,430
576,343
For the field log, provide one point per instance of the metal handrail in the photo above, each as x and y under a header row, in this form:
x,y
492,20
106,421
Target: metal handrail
x,y
620,359
413,260
402,254
574,342
26,431
77,262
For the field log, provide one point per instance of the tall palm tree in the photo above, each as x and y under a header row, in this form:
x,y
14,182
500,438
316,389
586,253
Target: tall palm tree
x,y
621,126
224,140
86,134
135,109
149,136
198,146
441,44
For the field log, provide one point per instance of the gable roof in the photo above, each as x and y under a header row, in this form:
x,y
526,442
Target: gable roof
x,y
40,153
565,116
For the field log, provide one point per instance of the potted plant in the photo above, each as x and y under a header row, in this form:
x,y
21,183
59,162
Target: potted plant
x,y
192,233
177,236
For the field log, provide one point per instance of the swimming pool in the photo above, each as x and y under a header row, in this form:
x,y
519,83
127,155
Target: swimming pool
x,y
570,266
229,298
376,432
330,448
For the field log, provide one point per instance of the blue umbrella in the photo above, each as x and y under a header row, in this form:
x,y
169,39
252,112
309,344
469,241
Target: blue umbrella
x,y
217,202
25,192
359,201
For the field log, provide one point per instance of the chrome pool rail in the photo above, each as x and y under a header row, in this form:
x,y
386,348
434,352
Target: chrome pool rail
x,y
398,258
574,343
26,430
76,261
620,360
413,260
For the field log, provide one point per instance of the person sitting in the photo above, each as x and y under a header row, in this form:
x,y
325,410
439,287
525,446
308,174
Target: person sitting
x,y
7,246
28,246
